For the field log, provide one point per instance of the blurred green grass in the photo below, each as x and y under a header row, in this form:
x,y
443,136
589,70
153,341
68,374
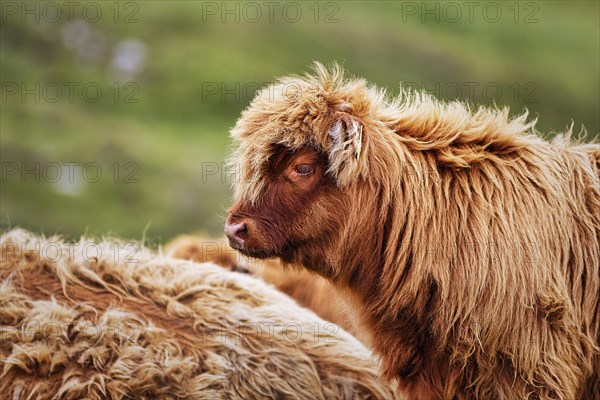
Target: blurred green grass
x,y
177,131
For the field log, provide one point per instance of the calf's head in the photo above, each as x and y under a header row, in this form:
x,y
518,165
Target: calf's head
x,y
300,159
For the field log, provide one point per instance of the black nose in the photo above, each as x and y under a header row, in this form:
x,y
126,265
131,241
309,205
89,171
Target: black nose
x,y
236,232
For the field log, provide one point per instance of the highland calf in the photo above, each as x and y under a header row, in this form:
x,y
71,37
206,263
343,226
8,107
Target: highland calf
x,y
468,246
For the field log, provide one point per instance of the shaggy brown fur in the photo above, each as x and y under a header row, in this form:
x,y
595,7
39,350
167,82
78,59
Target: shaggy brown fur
x,y
308,289
152,327
469,246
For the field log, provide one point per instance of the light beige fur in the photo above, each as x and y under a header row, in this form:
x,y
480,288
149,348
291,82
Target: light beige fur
x,y
308,289
111,321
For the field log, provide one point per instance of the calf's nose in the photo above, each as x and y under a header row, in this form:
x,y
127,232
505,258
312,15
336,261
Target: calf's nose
x,y
236,232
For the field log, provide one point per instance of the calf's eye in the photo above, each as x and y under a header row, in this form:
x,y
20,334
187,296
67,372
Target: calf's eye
x,y
304,169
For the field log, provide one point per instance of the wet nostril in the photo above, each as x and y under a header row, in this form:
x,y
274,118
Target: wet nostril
x,y
242,232
238,232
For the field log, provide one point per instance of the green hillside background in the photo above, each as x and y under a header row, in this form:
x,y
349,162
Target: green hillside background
x,y
176,75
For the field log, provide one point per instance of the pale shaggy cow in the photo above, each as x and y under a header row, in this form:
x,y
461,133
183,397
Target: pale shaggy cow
x,y
113,320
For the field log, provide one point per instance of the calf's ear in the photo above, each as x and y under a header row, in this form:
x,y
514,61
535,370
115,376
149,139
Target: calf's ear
x,y
346,143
